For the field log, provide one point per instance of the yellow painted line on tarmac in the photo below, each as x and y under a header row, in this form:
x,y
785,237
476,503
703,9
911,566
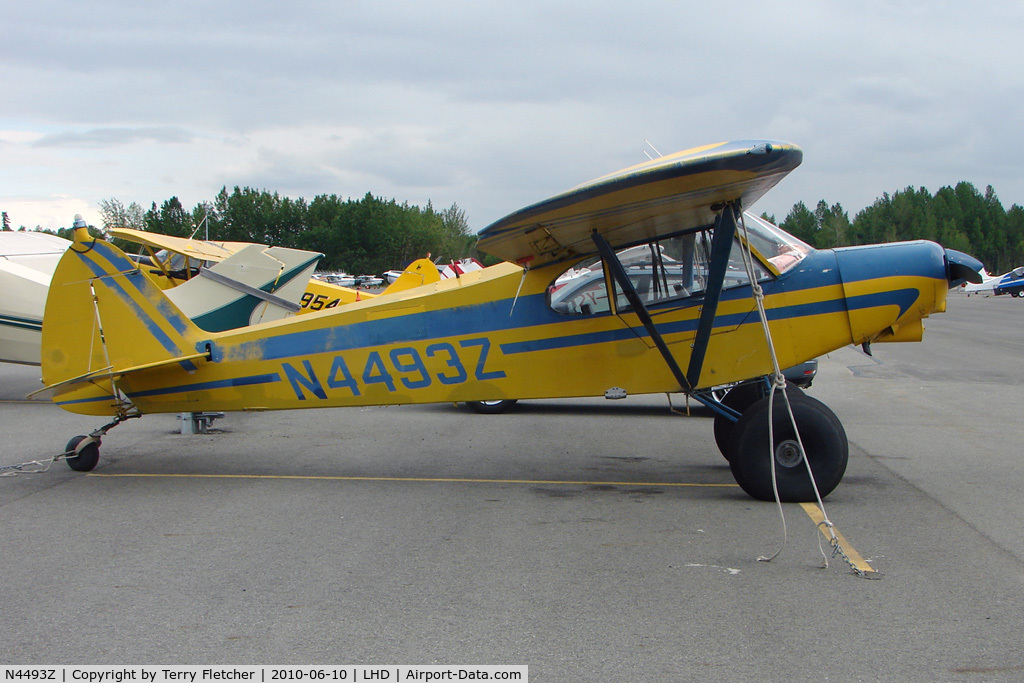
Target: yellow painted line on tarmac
x,y
450,480
858,561
812,510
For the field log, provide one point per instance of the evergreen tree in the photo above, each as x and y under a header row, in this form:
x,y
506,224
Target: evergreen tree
x,y
801,223
170,219
373,234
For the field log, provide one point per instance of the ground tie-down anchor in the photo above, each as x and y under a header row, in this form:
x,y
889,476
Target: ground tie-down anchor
x,y
856,564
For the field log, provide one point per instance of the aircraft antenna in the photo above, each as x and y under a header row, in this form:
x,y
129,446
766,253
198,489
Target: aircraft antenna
x,y
648,143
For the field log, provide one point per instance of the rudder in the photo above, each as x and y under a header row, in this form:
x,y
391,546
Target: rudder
x,y
103,313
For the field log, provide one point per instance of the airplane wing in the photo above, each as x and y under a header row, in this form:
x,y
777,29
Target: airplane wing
x,y
15,243
664,196
197,249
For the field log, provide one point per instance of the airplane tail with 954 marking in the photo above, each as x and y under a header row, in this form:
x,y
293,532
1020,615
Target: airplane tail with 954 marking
x,y
650,280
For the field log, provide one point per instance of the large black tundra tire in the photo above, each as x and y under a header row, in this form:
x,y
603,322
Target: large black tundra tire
x,y
824,440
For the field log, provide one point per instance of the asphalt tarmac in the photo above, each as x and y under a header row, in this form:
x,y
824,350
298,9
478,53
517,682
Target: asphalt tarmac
x,y
592,540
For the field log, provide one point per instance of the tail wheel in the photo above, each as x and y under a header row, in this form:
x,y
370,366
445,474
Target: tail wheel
x,y
492,407
86,459
825,444
739,398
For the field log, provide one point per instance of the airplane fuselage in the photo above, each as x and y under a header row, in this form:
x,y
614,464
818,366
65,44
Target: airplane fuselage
x,y
493,334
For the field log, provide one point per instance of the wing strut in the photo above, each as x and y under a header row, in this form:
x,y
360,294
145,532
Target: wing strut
x,y
619,273
721,246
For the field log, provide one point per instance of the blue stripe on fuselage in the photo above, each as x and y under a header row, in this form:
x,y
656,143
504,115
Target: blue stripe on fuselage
x,y
485,318
819,269
902,298
268,378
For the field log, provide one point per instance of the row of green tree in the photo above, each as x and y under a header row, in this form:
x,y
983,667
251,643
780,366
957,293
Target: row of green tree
x,y
368,235
957,217
372,234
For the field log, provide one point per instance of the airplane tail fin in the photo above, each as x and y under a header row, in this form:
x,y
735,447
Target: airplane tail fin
x,y
419,272
104,319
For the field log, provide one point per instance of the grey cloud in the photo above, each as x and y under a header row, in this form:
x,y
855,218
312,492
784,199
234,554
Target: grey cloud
x,y
114,137
497,106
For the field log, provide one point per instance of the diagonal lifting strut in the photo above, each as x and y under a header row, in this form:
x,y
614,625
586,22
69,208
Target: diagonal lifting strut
x,y
721,246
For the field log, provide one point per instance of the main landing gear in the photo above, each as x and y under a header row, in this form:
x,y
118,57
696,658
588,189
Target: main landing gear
x,y
745,444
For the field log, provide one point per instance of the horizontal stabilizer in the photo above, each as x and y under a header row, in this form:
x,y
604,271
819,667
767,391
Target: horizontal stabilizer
x,y
110,373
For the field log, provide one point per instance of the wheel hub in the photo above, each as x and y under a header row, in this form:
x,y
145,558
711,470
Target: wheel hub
x,y
787,453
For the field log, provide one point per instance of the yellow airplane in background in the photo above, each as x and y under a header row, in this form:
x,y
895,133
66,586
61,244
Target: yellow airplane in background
x,y
638,282
224,285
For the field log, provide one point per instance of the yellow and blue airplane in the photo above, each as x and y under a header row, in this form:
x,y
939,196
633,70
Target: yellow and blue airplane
x,y
664,304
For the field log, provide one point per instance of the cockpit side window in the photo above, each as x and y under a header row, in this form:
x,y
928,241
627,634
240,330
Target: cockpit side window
x,y
675,268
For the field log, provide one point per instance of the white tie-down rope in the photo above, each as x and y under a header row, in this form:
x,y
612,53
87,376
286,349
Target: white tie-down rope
x,y
779,380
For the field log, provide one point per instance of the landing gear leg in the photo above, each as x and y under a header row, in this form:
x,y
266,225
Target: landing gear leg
x,y
740,398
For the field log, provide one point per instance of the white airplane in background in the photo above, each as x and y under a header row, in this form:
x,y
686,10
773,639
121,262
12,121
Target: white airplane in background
x,y
27,262
1010,282
983,287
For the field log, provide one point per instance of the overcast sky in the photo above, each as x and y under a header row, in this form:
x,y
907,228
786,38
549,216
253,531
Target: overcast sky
x,y
495,106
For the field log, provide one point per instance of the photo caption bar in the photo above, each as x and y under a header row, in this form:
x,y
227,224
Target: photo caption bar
x,y
153,673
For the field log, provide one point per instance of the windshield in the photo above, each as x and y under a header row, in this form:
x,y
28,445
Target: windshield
x,y
778,247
